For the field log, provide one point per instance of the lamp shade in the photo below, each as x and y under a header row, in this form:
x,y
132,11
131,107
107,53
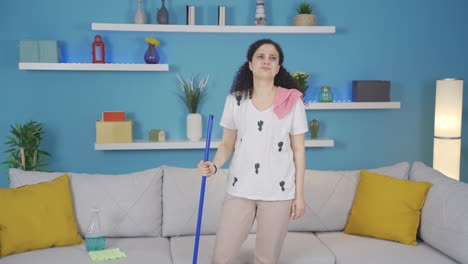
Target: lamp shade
x,y
447,127
448,108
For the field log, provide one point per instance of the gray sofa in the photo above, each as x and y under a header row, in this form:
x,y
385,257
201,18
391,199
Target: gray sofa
x,y
151,216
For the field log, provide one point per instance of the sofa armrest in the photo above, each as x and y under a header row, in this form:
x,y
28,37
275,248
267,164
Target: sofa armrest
x,y
444,217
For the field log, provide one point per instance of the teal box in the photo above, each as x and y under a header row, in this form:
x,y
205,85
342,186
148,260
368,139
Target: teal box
x,y
29,51
49,51
39,51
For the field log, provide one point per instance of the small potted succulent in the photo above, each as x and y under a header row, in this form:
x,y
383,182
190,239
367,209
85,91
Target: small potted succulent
x,y
304,15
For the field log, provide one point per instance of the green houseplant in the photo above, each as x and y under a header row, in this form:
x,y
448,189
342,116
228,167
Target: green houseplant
x,y
23,147
304,15
301,79
192,97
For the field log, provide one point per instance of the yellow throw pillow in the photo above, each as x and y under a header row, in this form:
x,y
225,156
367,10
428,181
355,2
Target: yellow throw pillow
x,y
37,216
387,208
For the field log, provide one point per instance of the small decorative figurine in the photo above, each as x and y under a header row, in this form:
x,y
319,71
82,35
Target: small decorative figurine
x,y
99,52
314,128
140,17
157,135
260,14
325,94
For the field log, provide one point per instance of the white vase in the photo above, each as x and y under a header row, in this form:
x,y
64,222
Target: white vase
x,y
194,126
140,17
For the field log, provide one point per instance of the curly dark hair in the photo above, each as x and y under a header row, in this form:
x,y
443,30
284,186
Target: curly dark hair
x,y
243,81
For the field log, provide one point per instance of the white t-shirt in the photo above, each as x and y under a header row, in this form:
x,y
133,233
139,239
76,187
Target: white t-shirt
x,y
262,166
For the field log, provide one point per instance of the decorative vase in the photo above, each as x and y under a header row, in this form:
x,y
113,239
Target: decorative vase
x,y
305,20
163,15
326,94
314,128
151,55
140,17
194,126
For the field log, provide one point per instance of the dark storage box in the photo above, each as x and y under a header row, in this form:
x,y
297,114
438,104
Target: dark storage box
x,y
371,91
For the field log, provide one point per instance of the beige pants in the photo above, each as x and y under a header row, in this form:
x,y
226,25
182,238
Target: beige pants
x,y
236,222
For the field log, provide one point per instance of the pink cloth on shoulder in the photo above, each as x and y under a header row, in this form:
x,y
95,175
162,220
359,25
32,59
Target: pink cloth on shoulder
x,y
285,100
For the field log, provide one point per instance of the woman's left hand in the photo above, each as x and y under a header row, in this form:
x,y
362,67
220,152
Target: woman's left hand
x,y
297,208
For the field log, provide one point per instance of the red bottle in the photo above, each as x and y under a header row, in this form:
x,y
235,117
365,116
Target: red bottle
x,y
99,52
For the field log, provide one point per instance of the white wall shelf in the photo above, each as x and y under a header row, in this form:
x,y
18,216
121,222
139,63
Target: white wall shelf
x,y
92,66
185,144
352,105
213,28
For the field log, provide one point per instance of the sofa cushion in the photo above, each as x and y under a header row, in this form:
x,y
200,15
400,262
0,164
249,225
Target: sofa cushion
x,y
130,204
138,250
387,208
37,216
444,216
298,248
181,195
350,249
329,197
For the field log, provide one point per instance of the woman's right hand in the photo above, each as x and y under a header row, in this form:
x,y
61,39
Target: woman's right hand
x,y
206,168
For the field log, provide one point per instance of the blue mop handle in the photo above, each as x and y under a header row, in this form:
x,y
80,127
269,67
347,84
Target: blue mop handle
x,y
202,190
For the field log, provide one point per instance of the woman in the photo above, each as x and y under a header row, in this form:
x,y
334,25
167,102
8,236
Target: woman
x,y
264,123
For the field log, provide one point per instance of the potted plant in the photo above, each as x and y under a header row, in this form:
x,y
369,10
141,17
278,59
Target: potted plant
x,y
301,79
304,15
23,147
192,97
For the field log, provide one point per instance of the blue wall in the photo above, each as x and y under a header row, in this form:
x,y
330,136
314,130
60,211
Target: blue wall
x,y
410,43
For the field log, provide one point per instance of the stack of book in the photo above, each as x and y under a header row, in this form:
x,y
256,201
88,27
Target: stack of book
x,y
114,128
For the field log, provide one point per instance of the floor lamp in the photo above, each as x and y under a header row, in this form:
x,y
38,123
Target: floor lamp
x,y
447,127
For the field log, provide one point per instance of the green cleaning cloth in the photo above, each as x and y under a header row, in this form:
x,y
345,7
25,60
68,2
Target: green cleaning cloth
x,y
106,254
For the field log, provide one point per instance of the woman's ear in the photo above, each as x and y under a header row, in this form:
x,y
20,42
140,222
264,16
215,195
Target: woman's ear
x,y
250,65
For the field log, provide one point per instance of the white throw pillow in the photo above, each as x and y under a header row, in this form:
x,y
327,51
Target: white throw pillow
x,y
130,204
444,216
329,196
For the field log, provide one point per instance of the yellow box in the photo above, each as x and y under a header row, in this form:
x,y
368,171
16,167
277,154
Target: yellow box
x,y
114,132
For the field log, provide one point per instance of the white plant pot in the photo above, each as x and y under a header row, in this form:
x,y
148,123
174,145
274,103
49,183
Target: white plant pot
x,y
194,126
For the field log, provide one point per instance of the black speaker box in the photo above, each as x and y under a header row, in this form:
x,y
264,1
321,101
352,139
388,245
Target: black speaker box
x,y
371,91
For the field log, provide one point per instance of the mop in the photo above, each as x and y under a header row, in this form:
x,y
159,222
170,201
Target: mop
x,y
202,191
